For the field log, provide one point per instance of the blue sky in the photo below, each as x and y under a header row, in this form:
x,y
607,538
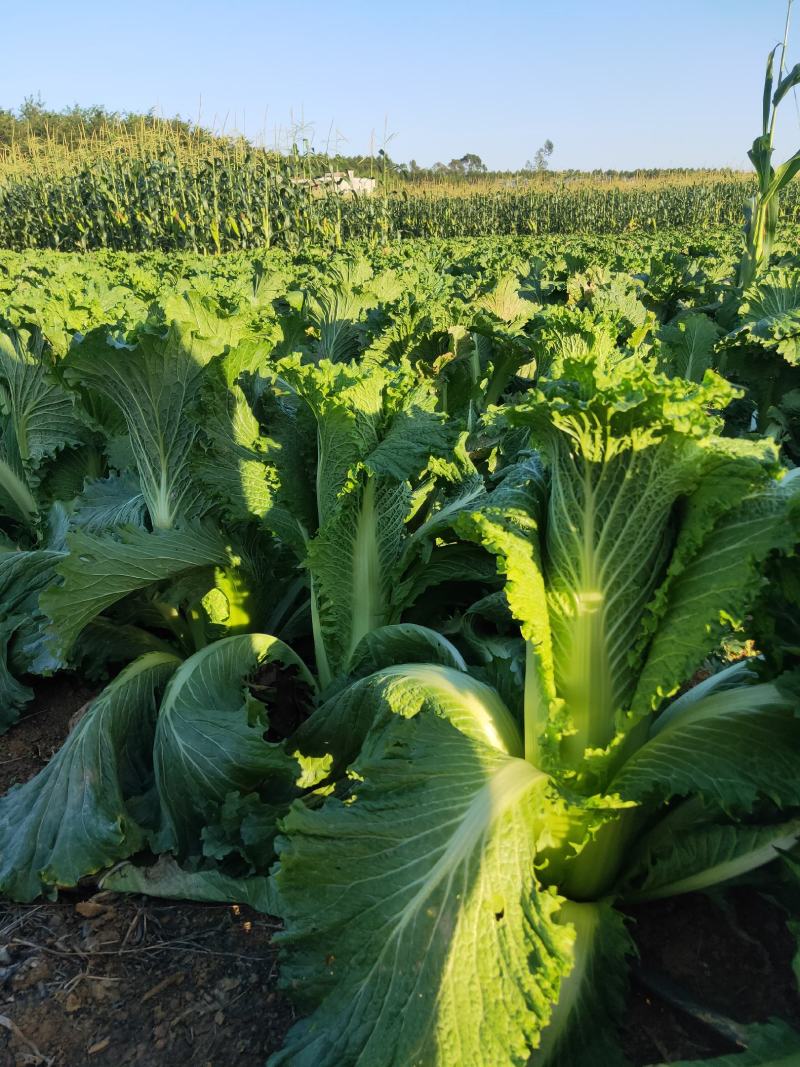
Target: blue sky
x,y
613,83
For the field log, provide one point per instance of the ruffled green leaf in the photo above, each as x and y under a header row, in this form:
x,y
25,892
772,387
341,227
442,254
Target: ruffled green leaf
x,y
153,384
43,414
729,747
630,555
621,448
442,571
712,586
376,431
102,569
230,466
771,313
353,562
424,900
687,346
681,858
106,503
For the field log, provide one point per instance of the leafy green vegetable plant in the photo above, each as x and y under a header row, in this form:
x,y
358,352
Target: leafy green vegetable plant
x,y
360,478
470,859
46,449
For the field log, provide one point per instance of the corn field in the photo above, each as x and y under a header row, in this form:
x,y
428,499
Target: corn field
x,y
145,196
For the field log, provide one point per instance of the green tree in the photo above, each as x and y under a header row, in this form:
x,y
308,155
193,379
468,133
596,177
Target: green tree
x,y
541,157
470,163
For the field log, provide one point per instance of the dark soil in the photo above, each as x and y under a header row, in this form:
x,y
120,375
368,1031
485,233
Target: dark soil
x,y
102,980
112,980
26,748
724,960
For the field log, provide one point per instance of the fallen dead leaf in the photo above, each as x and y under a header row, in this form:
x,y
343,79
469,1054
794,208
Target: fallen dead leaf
x,y
99,1046
72,1003
102,991
89,909
165,983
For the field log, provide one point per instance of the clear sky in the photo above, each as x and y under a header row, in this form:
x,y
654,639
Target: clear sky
x,y
613,83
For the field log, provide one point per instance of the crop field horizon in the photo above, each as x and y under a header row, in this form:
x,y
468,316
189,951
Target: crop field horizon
x,y
142,186
246,200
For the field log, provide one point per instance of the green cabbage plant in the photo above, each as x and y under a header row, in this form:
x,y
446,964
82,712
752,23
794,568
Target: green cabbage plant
x,y
316,505
455,899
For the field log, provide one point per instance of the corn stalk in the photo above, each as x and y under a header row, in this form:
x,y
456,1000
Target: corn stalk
x,y
761,209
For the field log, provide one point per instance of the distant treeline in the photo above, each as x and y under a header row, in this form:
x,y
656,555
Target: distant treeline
x,y
33,129
34,121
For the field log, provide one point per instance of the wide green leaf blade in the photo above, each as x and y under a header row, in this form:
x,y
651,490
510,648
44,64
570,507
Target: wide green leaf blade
x,y
425,904
729,747
17,500
689,859
44,415
167,879
210,737
581,1031
770,311
716,587
403,643
73,818
106,503
102,569
229,467
446,569
621,447
687,346
353,564
508,526
342,723
23,576
153,383
376,433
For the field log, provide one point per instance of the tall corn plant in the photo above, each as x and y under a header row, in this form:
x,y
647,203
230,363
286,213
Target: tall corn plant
x,y
761,210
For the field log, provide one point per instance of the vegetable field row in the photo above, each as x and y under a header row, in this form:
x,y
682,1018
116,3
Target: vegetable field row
x,y
445,601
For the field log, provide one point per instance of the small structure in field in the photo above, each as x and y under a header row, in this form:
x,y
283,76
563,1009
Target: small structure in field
x,y
347,184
